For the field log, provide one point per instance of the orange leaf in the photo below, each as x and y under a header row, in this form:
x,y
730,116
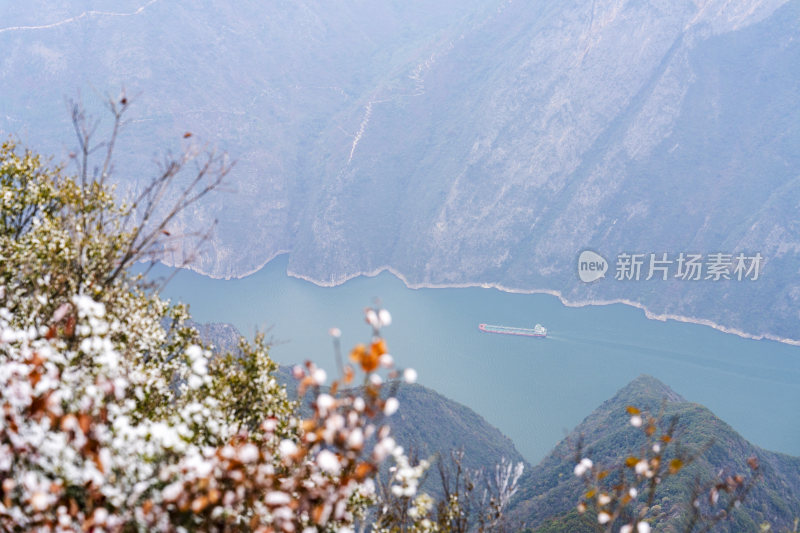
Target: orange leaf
x,y
37,359
98,463
370,362
378,348
675,465
199,504
358,353
632,410
363,470
85,422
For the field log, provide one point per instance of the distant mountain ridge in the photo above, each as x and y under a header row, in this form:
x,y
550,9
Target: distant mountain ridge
x,y
430,425
549,496
456,143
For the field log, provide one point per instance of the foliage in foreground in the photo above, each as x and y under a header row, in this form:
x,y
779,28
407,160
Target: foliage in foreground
x,y
115,415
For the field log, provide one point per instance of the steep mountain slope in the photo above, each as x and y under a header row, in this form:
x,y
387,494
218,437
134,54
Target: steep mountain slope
x,y
430,426
629,128
551,489
456,142
258,79
427,425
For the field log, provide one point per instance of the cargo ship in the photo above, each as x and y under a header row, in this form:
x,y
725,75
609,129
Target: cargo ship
x,y
537,331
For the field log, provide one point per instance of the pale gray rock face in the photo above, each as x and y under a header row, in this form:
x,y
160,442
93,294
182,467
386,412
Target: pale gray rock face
x,y
465,142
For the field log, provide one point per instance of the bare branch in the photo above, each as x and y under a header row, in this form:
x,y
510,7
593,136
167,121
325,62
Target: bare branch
x,y
148,218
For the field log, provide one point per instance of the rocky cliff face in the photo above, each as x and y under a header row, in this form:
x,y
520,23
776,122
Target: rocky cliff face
x,y
460,142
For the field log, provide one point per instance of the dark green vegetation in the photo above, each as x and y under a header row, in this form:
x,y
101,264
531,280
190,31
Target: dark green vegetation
x,y
549,494
429,424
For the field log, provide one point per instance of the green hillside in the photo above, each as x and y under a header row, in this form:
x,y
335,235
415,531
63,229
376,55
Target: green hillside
x,y
550,492
430,424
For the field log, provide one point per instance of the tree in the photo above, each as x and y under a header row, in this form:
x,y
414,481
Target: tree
x,y
115,415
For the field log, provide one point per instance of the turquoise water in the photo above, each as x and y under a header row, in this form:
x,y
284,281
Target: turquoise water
x,y
533,390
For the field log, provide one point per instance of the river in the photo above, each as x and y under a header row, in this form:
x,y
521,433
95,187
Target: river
x,y
533,390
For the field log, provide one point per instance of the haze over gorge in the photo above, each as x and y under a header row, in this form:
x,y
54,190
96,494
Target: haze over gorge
x,y
454,142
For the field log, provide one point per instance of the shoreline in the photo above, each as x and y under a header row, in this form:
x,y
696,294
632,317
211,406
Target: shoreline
x,y
662,317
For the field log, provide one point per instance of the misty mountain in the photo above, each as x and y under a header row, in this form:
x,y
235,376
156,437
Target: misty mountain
x,y
550,491
454,142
